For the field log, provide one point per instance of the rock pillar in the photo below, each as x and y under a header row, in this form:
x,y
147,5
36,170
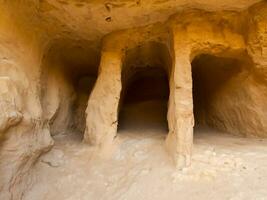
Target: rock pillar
x,y
102,108
180,113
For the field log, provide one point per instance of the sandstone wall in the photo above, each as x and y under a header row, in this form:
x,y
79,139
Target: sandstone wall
x,y
24,135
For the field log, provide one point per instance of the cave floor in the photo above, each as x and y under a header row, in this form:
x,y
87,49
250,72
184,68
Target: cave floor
x,y
138,167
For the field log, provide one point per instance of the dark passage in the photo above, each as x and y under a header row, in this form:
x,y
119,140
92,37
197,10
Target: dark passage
x,y
145,90
145,101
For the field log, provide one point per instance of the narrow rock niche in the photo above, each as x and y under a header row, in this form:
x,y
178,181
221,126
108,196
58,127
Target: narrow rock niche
x,y
219,92
145,89
68,75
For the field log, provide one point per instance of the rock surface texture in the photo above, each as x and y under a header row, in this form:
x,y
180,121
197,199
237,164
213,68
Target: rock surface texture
x,y
65,66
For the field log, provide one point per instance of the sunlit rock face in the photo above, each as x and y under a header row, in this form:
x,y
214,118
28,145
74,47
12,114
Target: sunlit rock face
x,y
71,65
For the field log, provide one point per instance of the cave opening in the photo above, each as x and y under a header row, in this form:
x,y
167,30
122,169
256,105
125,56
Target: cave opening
x,y
68,75
216,83
145,89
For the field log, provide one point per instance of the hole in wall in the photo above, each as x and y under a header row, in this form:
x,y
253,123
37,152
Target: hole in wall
x,y
145,89
108,19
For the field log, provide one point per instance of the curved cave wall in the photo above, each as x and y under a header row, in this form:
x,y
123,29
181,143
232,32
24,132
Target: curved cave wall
x,y
145,88
211,78
67,80
223,96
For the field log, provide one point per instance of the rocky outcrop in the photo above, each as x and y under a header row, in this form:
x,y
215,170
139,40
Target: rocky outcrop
x,y
24,135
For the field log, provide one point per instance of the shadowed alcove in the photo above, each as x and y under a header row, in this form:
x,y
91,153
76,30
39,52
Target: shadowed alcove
x,y
145,89
217,88
68,75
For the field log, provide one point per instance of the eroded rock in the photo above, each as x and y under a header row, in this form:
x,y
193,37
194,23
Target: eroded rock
x,y
65,67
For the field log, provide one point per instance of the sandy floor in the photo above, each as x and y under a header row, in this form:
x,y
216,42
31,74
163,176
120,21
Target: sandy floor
x,y
138,168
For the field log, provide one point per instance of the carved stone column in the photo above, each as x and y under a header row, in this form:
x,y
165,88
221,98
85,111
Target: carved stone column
x,y
180,113
102,109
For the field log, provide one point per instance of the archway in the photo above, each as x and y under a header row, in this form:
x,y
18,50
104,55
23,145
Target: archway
x,y
145,89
